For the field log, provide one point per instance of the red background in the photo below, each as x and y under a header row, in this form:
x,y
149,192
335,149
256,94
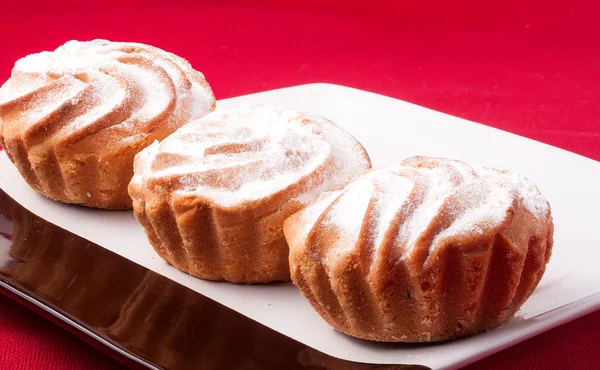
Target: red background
x,y
532,68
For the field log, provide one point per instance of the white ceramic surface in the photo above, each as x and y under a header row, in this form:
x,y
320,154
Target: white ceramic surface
x,y
390,130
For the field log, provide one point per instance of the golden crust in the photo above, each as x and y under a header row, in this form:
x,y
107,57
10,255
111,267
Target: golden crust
x,y
217,244
471,281
241,241
72,120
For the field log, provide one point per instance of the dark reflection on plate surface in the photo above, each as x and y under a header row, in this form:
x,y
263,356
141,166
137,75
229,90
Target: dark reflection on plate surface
x,y
140,311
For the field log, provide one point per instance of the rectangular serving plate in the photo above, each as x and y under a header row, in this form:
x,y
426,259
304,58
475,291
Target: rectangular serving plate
x,y
390,130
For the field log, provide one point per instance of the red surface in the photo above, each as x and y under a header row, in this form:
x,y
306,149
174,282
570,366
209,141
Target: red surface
x,y
23,326
532,68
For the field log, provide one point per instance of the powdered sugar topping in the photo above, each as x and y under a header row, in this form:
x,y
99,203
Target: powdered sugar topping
x,y
427,193
248,154
149,82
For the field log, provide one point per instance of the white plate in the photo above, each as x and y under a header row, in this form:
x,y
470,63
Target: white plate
x,y
390,130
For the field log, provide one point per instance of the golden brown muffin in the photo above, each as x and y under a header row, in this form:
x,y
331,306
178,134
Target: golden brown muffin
x,y
429,250
213,196
72,120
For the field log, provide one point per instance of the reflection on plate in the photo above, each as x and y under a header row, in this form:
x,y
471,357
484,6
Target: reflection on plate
x,y
144,313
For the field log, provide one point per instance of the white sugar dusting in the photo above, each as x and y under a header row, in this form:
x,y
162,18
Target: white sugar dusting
x,y
489,193
348,214
68,89
202,101
310,196
392,193
437,187
15,88
139,64
529,195
285,144
497,197
36,63
155,92
108,95
72,57
311,213
4,95
143,162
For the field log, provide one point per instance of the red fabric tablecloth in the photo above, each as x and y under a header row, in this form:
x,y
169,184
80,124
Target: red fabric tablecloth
x,y
532,68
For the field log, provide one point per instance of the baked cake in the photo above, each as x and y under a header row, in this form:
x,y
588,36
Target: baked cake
x,y
72,120
428,250
213,196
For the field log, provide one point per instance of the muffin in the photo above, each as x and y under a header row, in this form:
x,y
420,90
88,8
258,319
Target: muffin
x,y
72,120
213,195
428,250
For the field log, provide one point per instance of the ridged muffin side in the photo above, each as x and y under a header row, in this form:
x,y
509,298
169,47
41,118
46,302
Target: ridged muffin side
x,y
72,120
432,250
213,196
